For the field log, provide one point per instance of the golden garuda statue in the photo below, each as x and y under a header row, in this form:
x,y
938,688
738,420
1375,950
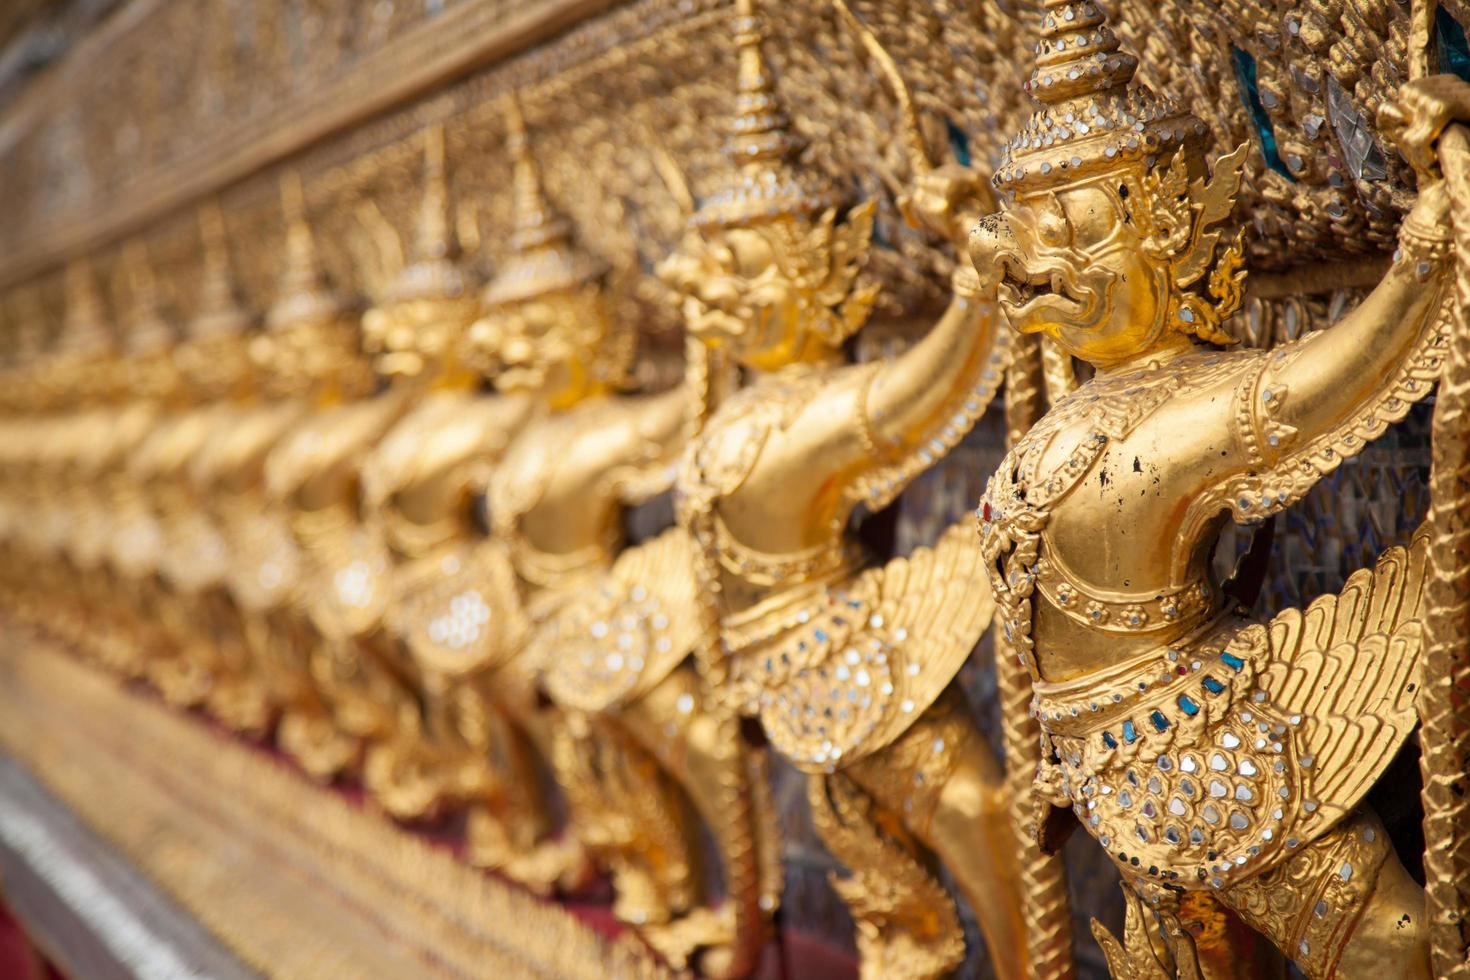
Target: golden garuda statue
x,y
210,664
229,461
324,475
847,668
419,482
161,399
312,371
87,442
1221,758
553,505
546,651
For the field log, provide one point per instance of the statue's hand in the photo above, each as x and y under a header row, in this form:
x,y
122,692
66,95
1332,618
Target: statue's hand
x,y
946,201
1420,114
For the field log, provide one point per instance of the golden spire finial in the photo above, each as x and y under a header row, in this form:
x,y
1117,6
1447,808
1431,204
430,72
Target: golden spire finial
x,y
85,332
432,272
145,330
304,294
1092,115
220,312
1077,55
30,321
544,257
536,221
300,246
436,239
764,184
761,127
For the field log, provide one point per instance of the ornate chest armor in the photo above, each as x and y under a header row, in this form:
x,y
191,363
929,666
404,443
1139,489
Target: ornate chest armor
x,y
1210,759
839,661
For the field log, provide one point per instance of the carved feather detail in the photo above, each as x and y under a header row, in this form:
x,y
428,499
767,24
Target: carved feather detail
x,y
619,637
1349,666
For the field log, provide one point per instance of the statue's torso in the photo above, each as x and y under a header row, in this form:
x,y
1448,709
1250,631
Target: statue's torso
x,y
836,660
1092,523
419,478
760,491
555,501
315,468
1191,739
559,493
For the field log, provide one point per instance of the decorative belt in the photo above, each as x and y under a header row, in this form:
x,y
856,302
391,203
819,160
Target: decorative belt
x,y
1138,613
1150,688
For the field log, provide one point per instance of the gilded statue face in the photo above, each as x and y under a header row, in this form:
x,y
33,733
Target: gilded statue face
x,y
1071,265
526,346
212,366
298,358
738,295
545,343
411,337
152,374
280,363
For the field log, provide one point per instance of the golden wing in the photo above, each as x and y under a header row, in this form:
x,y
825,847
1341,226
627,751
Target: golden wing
x,y
347,591
1343,674
936,604
265,561
464,614
618,637
872,657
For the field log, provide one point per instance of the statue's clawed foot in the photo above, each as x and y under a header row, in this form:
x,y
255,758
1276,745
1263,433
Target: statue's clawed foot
x,y
407,779
558,864
1154,946
317,745
704,938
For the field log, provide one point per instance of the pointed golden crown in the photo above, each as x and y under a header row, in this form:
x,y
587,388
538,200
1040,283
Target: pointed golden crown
x,y
24,387
145,330
29,317
1093,117
764,183
304,295
544,256
12,358
85,333
433,271
220,312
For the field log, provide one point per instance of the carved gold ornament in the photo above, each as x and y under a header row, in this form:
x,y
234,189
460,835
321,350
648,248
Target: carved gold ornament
x,y
552,424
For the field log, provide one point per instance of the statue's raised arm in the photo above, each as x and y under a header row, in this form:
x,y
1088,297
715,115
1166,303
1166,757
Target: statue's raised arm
x,y
1318,401
1220,757
912,401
